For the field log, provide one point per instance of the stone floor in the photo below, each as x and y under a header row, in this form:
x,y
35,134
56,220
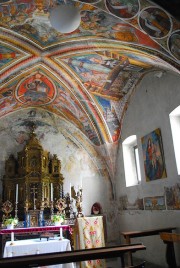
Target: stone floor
x,y
115,263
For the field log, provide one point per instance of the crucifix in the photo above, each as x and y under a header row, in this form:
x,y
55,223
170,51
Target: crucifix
x,y
34,192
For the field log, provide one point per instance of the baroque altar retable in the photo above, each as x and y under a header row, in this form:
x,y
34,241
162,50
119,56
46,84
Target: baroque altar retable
x,y
37,174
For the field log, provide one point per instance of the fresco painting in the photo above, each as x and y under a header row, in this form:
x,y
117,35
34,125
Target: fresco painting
x,y
30,19
86,76
90,1
7,101
172,194
125,9
5,1
7,55
124,204
33,21
174,44
169,201
83,86
154,203
37,89
155,22
65,100
66,104
110,117
153,154
102,75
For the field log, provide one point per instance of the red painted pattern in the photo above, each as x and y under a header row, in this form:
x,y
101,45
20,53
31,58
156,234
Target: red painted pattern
x,y
34,229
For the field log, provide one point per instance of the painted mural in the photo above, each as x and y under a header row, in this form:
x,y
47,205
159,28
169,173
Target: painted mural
x,y
40,90
174,44
98,73
172,194
85,77
36,89
155,22
108,77
154,203
76,87
7,55
170,200
32,21
153,154
124,9
124,204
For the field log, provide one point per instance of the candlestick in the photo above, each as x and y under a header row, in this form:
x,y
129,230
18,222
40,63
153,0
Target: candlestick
x,y
43,192
12,237
16,193
51,191
70,192
61,233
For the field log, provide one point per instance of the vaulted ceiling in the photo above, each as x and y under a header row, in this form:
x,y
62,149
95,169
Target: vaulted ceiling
x,y
86,77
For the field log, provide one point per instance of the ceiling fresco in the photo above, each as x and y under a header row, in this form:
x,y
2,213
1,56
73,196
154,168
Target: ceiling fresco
x,y
88,76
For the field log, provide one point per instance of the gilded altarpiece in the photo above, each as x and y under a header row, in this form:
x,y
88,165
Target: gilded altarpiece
x,y
39,179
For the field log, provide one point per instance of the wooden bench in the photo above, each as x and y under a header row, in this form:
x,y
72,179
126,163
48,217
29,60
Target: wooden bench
x,y
133,234
70,256
169,239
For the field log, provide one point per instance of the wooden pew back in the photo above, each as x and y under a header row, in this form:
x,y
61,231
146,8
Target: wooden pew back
x,y
170,237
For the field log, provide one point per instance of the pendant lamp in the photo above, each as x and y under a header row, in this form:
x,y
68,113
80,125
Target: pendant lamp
x,y
65,18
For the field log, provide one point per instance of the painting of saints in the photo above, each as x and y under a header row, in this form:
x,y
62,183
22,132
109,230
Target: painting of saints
x,y
155,22
174,44
153,156
125,9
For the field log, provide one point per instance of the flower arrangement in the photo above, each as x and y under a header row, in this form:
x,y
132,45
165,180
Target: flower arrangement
x,y
58,218
10,221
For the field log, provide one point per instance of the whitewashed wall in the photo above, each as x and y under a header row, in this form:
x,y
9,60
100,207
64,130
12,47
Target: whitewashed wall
x,y
149,109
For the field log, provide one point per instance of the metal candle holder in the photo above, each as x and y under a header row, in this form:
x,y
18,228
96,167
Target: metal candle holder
x,y
79,203
16,209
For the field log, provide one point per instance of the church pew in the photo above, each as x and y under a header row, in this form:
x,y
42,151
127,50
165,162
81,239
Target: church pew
x,y
70,256
169,239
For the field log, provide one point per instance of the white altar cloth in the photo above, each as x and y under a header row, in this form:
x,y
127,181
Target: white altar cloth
x,y
37,246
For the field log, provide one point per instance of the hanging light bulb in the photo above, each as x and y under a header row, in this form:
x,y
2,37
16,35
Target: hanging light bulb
x,y
65,18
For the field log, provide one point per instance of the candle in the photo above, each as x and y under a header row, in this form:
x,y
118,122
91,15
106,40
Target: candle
x,y
12,236
42,192
51,192
70,191
16,193
61,233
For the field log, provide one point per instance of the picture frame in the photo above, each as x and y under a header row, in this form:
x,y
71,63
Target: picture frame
x,y
153,155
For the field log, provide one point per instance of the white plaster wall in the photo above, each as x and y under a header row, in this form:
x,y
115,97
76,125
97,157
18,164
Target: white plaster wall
x,y
149,109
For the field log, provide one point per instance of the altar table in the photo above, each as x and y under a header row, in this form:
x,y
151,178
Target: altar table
x,y
34,229
31,232
37,246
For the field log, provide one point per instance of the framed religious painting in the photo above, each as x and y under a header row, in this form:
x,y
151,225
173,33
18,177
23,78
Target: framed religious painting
x,y
153,155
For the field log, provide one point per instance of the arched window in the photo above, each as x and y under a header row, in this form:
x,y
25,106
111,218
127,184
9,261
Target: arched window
x,y
131,161
175,128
